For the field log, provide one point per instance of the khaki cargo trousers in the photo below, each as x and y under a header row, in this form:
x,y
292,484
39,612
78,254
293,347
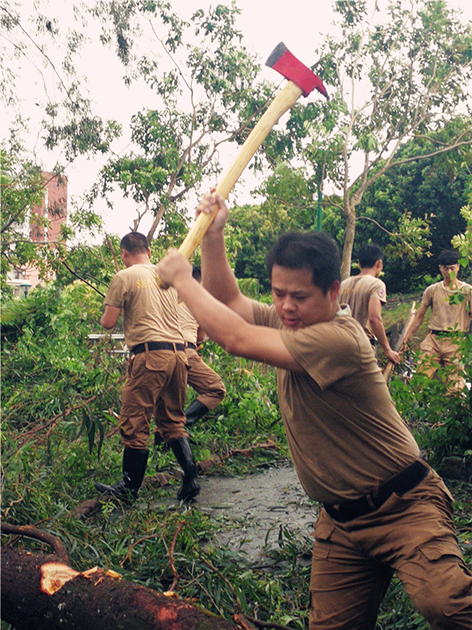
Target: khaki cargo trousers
x,y
156,385
439,351
411,535
204,380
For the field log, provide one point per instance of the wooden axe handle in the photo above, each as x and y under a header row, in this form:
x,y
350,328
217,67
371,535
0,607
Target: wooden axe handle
x,y
400,345
282,102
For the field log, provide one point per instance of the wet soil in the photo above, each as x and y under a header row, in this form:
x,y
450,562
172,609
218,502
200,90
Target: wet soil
x,y
254,509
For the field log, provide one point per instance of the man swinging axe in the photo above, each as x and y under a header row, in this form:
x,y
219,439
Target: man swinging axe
x,y
385,510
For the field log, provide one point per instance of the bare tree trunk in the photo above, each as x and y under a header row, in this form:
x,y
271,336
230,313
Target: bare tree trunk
x,y
155,223
92,599
349,236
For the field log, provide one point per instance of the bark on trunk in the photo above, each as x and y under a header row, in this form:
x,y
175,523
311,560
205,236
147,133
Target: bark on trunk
x,y
91,599
348,243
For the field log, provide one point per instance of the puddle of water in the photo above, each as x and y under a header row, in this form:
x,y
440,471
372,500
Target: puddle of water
x,y
256,507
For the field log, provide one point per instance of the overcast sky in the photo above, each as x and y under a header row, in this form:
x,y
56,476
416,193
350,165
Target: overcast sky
x,y
300,24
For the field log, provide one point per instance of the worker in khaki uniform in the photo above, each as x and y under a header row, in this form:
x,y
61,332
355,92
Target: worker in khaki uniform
x,y
385,510
205,381
366,294
446,319
157,370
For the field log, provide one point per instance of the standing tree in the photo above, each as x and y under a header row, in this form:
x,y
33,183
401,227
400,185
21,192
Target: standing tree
x,y
403,74
37,57
38,50
205,91
206,94
432,190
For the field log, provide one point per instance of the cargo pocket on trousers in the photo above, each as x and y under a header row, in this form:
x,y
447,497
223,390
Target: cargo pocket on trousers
x,y
322,535
449,578
129,367
435,550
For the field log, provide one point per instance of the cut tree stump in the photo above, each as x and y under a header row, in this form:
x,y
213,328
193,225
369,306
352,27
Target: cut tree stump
x,y
92,599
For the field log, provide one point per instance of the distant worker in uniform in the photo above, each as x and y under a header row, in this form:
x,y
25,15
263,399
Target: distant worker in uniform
x,y
446,317
200,376
205,381
366,294
157,370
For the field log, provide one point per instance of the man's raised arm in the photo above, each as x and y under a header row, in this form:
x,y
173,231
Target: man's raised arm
x,y
222,324
217,276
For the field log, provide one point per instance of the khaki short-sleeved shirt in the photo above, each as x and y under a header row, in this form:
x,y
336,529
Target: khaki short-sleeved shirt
x,y
149,313
445,315
188,323
357,292
344,432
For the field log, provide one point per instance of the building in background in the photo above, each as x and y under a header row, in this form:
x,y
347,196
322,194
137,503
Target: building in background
x,y
42,225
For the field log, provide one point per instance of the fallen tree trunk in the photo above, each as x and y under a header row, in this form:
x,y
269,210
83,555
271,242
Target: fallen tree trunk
x,y
91,599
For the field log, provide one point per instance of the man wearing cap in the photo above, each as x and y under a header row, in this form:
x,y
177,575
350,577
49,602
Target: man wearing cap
x,y
447,318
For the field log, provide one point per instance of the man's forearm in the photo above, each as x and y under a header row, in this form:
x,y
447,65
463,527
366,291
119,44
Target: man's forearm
x,y
415,325
379,331
109,317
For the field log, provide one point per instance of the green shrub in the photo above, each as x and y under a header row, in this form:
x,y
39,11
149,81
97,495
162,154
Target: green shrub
x,y
60,398
442,421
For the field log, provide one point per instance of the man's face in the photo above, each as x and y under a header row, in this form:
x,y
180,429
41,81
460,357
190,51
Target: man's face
x,y
298,302
449,272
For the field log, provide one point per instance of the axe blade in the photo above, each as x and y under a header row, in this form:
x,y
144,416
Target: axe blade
x,y
282,60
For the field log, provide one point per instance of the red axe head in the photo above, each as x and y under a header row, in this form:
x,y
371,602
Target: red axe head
x,y
282,60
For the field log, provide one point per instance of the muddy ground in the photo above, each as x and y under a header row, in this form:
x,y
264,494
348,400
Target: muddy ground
x,y
253,509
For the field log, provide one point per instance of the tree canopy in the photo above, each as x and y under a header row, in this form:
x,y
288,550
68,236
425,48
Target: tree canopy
x,y
399,86
397,75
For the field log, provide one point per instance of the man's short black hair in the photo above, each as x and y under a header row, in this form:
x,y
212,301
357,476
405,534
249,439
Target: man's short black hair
x,y
369,255
448,257
315,251
134,243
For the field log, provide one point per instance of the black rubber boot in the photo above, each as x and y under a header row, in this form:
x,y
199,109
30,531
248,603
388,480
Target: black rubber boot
x,y
159,442
134,467
194,412
183,454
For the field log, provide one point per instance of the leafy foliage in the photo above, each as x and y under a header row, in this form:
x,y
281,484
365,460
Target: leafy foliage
x,y
463,242
22,188
25,241
49,373
412,211
60,399
411,65
207,96
288,205
430,193
443,422
68,120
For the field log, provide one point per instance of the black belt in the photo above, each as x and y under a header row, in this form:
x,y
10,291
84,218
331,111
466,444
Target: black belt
x,y
189,344
158,345
441,333
400,484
